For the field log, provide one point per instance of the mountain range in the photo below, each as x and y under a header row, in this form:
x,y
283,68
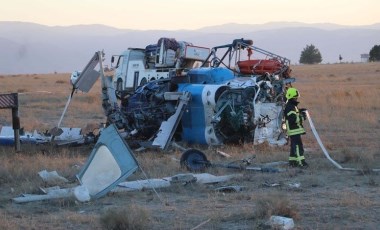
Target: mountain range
x,y
29,48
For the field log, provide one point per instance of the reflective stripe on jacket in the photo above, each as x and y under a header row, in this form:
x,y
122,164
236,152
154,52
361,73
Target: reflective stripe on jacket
x,y
293,119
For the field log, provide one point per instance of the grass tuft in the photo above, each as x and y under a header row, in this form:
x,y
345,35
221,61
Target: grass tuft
x,y
133,217
275,204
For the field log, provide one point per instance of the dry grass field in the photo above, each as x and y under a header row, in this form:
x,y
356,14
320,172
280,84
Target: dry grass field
x,y
344,103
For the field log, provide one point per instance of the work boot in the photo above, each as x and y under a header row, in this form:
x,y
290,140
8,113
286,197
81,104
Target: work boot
x,y
293,164
304,164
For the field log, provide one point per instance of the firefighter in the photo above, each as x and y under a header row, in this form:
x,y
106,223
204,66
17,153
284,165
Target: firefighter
x,y
294,118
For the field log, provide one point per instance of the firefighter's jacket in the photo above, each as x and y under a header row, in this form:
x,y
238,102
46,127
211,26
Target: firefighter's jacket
x,y
293,118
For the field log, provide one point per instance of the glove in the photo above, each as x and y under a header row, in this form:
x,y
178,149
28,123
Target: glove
x,y
303,113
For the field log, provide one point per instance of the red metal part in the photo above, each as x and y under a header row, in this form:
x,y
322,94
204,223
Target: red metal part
x,y
259,66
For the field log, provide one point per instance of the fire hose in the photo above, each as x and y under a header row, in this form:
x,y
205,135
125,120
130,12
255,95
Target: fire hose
x,y
324,149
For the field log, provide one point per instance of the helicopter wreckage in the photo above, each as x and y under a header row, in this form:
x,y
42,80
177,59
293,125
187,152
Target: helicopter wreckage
x,y
229,98
224,100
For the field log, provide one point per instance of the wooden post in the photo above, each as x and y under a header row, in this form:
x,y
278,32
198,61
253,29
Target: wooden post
x,y
16,128
10,101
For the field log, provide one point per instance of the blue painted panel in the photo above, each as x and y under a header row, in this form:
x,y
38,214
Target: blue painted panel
x,y
7,141
193,121
210,75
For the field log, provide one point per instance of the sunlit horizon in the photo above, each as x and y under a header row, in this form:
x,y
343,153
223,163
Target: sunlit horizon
x,y
189,15
205,26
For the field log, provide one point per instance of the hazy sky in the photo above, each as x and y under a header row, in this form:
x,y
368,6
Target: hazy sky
x,y
188,14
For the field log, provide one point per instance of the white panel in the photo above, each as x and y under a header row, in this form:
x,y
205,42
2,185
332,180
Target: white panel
x,y
102,171
196,53
89,75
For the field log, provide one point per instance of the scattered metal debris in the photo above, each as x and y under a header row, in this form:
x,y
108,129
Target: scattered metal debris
x,y
231,188
139,185
294,185
52,177
111,161
223,154
183,179
268,184
7,136
280,222
202,178
62,136
205,178
167,128
80,193
195,160
83,194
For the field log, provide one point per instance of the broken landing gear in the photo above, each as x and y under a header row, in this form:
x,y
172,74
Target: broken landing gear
x,y
194,160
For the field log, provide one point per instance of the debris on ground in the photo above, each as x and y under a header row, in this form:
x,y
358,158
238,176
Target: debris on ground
x,y
223,154
195,160
80,193
294,185
202,178
52,177
111,162
60,137
269,184
280,222
229,189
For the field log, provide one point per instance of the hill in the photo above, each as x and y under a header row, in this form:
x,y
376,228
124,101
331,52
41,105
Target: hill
x,y
34,48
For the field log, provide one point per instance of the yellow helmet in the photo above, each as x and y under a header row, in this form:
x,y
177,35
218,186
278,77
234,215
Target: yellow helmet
x,y
292,93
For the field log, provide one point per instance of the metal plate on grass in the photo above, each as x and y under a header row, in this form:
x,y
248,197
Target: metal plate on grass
x,y
111,162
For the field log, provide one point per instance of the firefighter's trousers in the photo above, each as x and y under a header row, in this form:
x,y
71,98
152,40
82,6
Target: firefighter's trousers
x,y
296,157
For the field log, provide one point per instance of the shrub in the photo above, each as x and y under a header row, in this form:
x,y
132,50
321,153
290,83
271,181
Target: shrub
x,y
275,204
132,217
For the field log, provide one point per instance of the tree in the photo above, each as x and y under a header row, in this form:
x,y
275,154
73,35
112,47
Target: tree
x,y
374,54
310,55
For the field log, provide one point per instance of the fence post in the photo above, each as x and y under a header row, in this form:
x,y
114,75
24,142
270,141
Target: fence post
x,y
10,101
16,128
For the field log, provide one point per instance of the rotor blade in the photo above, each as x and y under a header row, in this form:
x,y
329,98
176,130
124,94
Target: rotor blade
x,y
89,75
